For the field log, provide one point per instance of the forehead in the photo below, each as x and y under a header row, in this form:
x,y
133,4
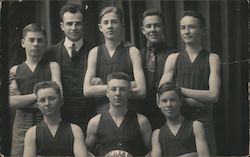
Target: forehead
x,y
110,15
34,35
45,92
189,20
152,19
118,83
68,16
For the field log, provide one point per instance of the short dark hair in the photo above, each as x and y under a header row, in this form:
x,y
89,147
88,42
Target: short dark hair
x,y
153,12
72,8
111,9
47,84
34,27
196,15
169,86
119,76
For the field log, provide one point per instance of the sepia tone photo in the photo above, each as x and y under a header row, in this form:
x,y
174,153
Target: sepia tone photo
x,y
124,78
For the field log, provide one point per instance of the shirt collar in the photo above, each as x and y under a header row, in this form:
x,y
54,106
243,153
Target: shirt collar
x,y
68,43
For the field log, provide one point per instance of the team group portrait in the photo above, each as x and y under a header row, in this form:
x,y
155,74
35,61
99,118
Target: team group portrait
x,y
124,78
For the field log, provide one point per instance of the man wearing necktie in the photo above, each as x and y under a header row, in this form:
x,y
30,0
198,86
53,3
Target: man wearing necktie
x,y
71,54
153,59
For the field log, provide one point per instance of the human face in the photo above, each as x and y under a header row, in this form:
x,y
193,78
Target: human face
x,y
110,25
190,29
153,29
117,92
169,103
34,44
49,102
72,25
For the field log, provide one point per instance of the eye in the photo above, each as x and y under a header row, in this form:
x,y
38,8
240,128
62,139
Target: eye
x,y
32,39
41,100
40,40
148,26
182,27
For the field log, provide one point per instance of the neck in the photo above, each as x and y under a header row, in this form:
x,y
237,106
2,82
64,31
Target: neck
x,y
194,48
175,121
32,60
118,111
52,120
112,44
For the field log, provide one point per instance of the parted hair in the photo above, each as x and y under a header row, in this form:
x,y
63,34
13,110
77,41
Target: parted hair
x,y
196,15
169,86
119,76
111,9
72,8
34,27
153,12
47,84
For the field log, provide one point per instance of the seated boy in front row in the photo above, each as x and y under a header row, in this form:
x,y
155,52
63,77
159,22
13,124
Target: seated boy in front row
x,y
179,136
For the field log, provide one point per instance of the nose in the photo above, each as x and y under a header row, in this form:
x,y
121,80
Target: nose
x,y
187,30
46,102
117,92
152,28
73,26
35,43
168,103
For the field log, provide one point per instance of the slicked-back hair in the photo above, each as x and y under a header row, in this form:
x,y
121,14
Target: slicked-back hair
x,y
72,8
111,9
47,84
153,12
196,15
118,76
169,86
34,27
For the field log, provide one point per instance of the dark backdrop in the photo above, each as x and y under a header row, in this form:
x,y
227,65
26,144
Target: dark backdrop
x,y
226,35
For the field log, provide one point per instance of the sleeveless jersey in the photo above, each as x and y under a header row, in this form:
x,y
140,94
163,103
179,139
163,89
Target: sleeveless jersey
x,y
127,137
183,142
119,62
60,145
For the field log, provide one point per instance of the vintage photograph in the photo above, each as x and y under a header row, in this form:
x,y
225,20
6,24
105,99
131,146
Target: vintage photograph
x,y
124,78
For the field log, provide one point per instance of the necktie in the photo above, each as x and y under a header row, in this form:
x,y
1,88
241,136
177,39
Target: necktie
x,y
73,50
151,62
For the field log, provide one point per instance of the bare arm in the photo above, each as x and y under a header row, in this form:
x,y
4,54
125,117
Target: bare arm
x,y
211,95
30,143
92,132
146,130
156,147
168,74
79,146
15,99
195,103
90,90
200,140
140,88
56,74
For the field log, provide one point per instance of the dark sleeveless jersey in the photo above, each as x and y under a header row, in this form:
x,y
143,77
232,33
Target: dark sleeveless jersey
x,y
182,143
119,62
127,137
26,79
192,75
195,76
60,145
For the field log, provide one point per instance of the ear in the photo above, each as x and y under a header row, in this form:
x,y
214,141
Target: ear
x,y
22,43
142,30
157,100
62,26
100,27
107,93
